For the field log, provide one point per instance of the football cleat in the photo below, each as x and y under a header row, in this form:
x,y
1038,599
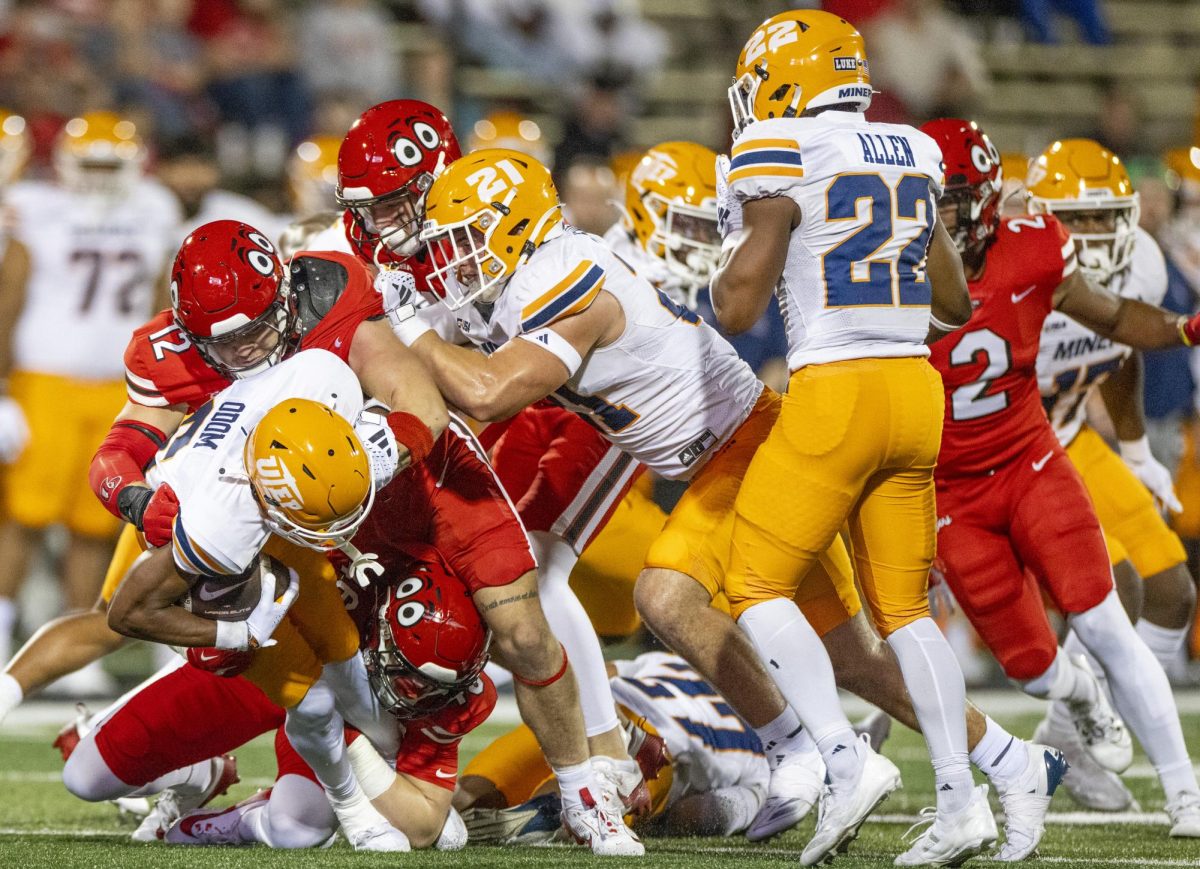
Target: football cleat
x,y
624,779
73,731
381,838
1088,783
598,824
795,787
534,822
846,805
172,805
204,827
1103,732
1184,812
1026,799
951,840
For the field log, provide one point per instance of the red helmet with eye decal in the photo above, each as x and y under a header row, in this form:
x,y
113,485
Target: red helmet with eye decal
x,y
230,298
428,643
387,161
973,180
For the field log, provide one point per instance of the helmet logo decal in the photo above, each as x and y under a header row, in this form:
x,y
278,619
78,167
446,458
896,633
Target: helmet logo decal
x,y
426,135
261,262
777,34
277,482
982,160
487,183
407,152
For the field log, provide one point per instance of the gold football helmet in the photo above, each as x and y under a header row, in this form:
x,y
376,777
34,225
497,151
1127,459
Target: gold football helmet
x,y
99,152
1084,184
799,60
484,216
313,175
512,131
16,145
310,474
671,209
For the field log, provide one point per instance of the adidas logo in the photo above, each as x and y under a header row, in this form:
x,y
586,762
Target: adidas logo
x,y
946,787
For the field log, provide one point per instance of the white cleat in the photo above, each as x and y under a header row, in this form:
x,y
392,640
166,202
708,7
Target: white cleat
x,y
383,838
220,827
795,787
1026,799
598,824
1088,783
172,805
623,779
1103,732
1184,812
845,805
951,840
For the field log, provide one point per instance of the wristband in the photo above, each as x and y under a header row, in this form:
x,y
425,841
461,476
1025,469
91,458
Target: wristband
x,y
131,504
412,434
1136,451
406,325
372,771
232,635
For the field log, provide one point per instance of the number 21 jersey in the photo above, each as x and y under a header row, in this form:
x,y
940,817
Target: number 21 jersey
x,y
989,366
854,284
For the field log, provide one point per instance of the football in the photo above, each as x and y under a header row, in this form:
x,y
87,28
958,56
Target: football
x,y
233,598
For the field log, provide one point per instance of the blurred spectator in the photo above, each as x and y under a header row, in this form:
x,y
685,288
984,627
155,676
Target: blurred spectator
x,y
1118,125
620,39
1181,236
926,57
347,46
588,191
596,124
511,130
1038,17
857,12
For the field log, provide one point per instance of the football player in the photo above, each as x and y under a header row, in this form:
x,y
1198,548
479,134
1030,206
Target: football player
x,y
839,220
1085,186
98,237
564,477
1009,499
15,147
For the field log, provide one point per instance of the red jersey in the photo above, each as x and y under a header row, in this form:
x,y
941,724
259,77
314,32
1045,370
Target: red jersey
x,y
989,366
334,294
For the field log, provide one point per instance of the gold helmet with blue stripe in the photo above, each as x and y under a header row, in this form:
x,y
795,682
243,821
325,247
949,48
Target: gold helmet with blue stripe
x,y
799,60
484,216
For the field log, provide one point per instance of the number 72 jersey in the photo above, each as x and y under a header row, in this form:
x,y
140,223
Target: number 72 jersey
x,y
989,366
854,284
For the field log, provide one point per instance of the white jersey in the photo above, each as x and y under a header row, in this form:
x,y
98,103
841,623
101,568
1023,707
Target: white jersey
x,y
854,284
669,391
332,237
220,529
1073,360
644,264
94,266
710,746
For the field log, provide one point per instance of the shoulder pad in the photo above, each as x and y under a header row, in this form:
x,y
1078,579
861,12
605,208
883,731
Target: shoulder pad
x,y
318,283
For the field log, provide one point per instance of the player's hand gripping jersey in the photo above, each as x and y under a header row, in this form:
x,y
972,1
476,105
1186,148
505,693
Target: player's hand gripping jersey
x,y
854,283
666,391
993,410
1073,359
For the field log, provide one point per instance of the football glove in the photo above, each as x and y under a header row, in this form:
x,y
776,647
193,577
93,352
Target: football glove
x,y
159,516
379,441
222,662
729,208
255,632
400,303
1152,474
14,431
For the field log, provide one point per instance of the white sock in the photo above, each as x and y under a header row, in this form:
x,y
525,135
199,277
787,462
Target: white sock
x,y
1141,693
8,621
357,703
571,625
575,778
1165,643
1066,681
296,816
797,661
11,695
939,697
783,737
1000,755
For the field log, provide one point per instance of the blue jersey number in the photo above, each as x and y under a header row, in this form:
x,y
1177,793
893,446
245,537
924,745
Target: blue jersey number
x,y
612,417
877,282
187,431
736,738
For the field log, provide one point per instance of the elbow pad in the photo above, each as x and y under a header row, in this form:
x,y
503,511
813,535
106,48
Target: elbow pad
x,y
121,461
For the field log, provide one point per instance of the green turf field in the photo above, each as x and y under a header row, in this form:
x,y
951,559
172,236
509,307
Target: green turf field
x,y
42,826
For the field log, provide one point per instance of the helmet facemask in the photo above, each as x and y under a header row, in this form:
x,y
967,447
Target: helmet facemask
x,y
1104,233
245,349
742,94
972,230
394,218
464,268
686,238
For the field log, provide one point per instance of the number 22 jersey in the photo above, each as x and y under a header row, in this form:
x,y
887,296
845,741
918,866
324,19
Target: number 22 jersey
x,y
989,366
854,284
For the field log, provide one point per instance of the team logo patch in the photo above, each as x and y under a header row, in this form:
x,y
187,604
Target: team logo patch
x,y
277,483
845,64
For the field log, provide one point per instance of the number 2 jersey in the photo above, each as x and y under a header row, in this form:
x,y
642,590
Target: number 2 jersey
x,y
334,294
989,366
854,284
1073,359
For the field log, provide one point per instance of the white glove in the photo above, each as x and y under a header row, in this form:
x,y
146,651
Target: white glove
x,y
14,431
266,615
400,302
1151,473
379,441
729,208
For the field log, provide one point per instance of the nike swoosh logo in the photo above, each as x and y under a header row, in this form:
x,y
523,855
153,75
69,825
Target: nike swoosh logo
x,y
211,594
440,774
337,343
209,656
1041,463
1016,297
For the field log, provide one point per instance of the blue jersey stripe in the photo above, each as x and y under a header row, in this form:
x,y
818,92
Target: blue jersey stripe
x,y
569,297
780,156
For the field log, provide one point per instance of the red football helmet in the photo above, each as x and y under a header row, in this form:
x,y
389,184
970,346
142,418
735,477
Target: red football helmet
x,y
429,643
973,180
230,298
387,161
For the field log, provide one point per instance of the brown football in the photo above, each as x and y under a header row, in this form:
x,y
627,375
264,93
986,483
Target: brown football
x,y
233,598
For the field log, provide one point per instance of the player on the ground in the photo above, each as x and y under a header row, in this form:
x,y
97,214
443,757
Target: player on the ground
x,y
1009,499
1085,186
99,237
839,222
